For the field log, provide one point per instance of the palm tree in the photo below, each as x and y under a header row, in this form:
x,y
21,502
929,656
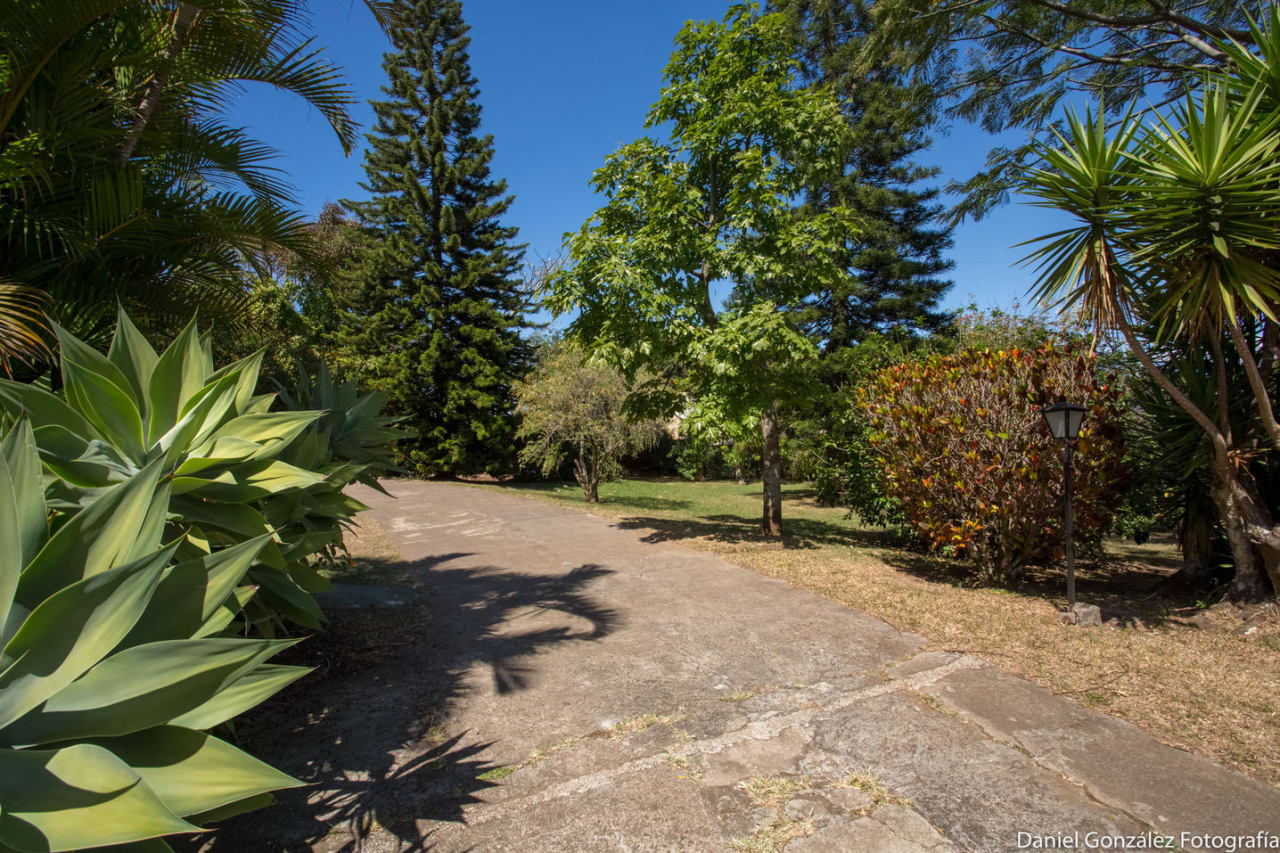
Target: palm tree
x,y
120,177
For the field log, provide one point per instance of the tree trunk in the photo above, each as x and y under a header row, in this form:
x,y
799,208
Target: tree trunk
x,y
183,20
588,479
772,475
1196,541
1239,510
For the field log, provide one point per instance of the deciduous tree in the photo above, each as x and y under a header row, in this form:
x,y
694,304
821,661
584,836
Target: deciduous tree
x,y
573,406
694,266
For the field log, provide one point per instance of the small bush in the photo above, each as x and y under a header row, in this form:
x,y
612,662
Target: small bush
x,y
965,451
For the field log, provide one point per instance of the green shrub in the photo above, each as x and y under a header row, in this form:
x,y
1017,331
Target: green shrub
x,y
111,667
966,454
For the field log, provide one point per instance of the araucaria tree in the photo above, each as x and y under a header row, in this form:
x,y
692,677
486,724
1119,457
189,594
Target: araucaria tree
x,y
708,217
896,266
438,322
572,406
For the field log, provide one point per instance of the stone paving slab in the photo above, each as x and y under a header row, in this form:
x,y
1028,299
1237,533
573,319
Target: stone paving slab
x,y
598,692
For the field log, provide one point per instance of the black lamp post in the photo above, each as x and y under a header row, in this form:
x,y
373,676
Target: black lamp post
x,y
1064,420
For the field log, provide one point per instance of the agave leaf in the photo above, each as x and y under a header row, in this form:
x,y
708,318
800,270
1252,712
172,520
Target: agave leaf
x,y
101,536
22,510
76,797
227,611
305,575
72,630
238,521
134,356
113,413
208,407
17,398
194,772
249,690
247,371
252,482
140,688
248,804
88,464
77,352
178,375
272,431
192,591
279,591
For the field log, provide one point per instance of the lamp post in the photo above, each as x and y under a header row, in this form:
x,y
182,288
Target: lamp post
x,y
1064,420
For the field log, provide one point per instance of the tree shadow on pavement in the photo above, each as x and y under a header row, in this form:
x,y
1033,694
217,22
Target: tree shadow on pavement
x,y
798,532
1130,592
367,730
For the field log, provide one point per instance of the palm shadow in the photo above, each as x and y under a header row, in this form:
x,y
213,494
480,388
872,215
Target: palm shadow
x,y
367,729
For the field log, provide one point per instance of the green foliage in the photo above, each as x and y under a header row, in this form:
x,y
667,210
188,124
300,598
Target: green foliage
x,y
437,317
120,177
1175,240
713,204
570,406
1012,64
966,454
235,469
109,671
895,262
351,443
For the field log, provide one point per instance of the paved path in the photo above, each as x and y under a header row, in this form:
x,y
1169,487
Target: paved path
x,y
602,693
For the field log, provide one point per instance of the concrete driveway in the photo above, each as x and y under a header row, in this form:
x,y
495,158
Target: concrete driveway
x,y
567,686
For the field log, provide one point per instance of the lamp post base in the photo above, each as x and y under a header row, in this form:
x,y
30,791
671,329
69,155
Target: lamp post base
x,y
1085,615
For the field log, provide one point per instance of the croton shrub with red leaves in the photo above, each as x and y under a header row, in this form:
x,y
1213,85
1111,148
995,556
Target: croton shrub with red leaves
x,y
965,451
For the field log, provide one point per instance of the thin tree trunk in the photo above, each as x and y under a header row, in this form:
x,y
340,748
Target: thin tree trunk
x,y
183,21
1196,541
1257,383
772,474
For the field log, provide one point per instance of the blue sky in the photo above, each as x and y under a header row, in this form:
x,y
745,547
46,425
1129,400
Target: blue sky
x,y
562,84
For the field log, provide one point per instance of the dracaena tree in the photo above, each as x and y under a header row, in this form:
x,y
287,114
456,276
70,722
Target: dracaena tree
x,y
1177,238
694,266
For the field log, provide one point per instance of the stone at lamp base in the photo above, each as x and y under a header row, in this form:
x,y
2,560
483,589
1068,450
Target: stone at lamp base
x,y
1085,615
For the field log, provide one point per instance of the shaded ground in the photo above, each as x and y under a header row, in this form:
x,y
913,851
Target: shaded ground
x,y
562,684
1201,677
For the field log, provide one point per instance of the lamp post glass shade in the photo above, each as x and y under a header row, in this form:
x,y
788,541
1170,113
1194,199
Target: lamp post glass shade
x,y
1064,419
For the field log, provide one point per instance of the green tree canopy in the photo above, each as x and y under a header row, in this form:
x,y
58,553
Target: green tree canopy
x,y
573,406
120,176
1175,237
710,209
1013,63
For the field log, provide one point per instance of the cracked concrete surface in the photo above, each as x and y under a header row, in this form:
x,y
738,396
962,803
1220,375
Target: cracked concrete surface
x,y
570,687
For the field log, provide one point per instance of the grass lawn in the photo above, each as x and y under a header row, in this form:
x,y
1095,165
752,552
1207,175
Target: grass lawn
x,y
1206,679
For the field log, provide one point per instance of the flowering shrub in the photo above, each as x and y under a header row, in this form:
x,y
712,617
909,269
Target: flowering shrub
x,y
964,450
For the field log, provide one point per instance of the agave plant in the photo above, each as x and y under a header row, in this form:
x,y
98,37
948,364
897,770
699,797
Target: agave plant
x,y
111,670
213,440
350,444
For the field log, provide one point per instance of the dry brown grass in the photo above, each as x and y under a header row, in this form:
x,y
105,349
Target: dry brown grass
x,y
1189,675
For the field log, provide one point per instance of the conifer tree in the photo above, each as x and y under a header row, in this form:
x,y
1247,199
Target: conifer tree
x,y
897,263
439,317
